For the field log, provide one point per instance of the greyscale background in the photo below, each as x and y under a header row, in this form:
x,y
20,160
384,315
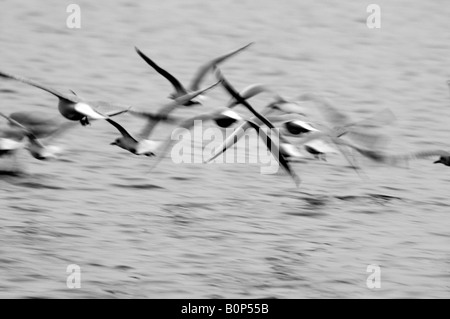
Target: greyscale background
x,y
226,231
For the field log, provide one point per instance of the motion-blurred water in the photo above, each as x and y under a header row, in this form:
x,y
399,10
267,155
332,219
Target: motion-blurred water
x,y
226,231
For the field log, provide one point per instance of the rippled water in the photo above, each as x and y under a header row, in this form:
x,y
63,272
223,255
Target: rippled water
x,y
226,231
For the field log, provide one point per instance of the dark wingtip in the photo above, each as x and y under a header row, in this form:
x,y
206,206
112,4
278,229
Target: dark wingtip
x,y
139,52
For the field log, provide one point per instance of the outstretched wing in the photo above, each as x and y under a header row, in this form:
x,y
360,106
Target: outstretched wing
x,y
249,92
156,117
230,140
116,113
371,154
73,99
230,89
286,107
375,121
186,125
275,150
424,154
237,135
181,100
330,113
428,154
179,88
33,139
89,111
169,108
121,129
17,124
207,67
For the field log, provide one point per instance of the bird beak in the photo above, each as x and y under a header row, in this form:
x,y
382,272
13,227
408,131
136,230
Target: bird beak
x,y
437,162
113,143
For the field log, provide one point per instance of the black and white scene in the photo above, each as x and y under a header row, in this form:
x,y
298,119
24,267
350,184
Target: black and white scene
x,y
224,150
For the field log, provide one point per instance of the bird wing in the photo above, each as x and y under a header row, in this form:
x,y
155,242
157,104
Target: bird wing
x,y
207,67
152,120
121,129
33,118
185,125
371,154
155,116
425,154
17,124
12,133
357,131
169,108
104,106
249,92
230,140
89,112
261,117
179,88
33,139
116,113
286,107
229,88
330,113
239,132
73,99
275,150
181,100
347,155
375,121
148,128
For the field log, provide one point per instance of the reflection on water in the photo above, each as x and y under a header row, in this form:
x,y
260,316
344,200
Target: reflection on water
x,y
225,230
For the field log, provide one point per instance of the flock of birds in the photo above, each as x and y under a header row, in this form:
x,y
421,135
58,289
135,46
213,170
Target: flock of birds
x,y
35,132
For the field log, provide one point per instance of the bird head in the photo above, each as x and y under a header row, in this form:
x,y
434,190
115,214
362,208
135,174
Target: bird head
x,y
296,127
227,118
193,103
440,161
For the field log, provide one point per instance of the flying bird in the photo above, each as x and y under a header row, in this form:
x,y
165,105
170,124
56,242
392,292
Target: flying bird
x,y
36,148
341,125
129,143
181,90
71,106
273,147
443,157
144,146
